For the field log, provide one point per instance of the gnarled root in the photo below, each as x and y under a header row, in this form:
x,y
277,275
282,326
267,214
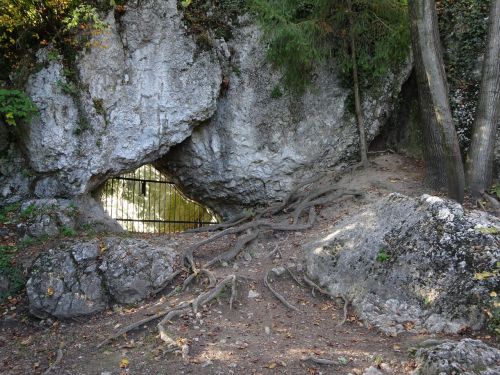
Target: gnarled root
x,y
277,295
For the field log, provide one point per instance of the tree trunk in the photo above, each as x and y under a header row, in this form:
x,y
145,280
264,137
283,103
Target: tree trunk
x,y
442,150
482,148
363,149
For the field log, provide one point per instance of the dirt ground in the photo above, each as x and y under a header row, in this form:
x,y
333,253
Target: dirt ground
x,y
258,336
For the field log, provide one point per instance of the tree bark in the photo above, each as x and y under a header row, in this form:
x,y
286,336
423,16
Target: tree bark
x,y
482,148
442,150
363,149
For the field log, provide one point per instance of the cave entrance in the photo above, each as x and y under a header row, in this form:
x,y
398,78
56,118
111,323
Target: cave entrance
x,y
147,201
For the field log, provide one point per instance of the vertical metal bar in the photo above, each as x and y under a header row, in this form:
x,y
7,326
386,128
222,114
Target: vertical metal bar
x,y
148,192
143,170
113,203
175,206
133,200
121,200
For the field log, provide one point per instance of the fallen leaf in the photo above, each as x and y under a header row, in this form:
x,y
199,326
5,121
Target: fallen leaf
x,y
124,363
272,365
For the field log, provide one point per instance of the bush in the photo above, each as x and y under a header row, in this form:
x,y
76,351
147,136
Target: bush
x,y
16,106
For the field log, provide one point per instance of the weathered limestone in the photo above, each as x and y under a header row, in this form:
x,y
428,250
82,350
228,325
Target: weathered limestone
x,y
412,264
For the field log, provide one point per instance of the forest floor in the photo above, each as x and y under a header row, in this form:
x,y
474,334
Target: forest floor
x,y
259,335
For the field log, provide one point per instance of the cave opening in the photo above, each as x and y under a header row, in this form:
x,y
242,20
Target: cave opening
x,y
148,201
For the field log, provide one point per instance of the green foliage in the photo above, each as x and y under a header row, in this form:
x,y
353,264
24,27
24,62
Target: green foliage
x,y
383,256
27,25
276,93
495,190
12,271
493,313
8,211
67,231
29,212
302,33
16,106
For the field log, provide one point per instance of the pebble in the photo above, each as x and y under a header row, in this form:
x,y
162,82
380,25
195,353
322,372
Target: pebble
x,y
253,294
247,257
278,271
267,330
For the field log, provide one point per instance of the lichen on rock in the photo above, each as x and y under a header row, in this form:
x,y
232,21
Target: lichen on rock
x,y
83,277
412,264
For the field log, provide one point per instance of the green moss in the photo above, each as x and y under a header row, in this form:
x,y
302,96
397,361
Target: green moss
x,y
11,270
383,256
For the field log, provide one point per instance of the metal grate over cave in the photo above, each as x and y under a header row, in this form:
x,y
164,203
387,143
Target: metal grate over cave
x,y
146,201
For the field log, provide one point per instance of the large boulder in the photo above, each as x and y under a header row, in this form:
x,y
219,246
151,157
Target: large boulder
x,y
142,89
84,277
260,144
465,357
412,264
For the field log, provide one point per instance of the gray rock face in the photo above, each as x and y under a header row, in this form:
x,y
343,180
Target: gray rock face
x,y
133,269
84,277
144,87
465,357
257,147
50,217
14,180
411,264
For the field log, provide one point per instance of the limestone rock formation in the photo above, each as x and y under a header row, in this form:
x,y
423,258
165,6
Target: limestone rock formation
x,y
142,88
258,146
411,264
145,87
465,357
85,277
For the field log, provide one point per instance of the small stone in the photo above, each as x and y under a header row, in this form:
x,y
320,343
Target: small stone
x,y
106,373
207,363
253,294
247,257
267,330
224,264
278,271
372,371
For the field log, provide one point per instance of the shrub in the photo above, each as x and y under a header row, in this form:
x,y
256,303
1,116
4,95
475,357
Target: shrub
x,y
16,106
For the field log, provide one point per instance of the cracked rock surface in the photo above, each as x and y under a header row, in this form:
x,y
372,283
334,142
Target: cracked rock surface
x,y
84,277
465,357
412,264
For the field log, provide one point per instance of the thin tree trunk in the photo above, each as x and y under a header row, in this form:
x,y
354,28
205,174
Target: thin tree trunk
x,y
441,142
482,148
357,100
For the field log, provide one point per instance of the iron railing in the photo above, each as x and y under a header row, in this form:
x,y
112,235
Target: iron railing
x,y
146,201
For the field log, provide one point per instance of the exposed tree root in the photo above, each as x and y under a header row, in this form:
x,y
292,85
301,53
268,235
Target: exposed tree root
x,y
346,303
277,295
247,228
59,357
316,286
295,278
211,278
326,293
181,309
237,248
